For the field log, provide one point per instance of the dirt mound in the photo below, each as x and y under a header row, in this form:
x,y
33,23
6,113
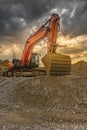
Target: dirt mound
x,y
53,94
46,102
80,67
4,62
3,66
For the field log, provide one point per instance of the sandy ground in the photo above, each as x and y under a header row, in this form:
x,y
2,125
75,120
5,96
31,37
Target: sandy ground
x,y
44,103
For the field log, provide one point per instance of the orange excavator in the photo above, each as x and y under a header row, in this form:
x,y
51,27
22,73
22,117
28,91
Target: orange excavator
x,y
54,64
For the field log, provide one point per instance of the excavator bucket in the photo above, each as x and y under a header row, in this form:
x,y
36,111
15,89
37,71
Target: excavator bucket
x,y
57,64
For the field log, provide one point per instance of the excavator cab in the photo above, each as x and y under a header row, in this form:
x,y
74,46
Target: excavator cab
x,y
34,63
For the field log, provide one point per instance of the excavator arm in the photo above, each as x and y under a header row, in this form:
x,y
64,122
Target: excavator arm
x,y
52,35
49,32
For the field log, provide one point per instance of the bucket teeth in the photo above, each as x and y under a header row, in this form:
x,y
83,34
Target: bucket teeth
x,y
57,64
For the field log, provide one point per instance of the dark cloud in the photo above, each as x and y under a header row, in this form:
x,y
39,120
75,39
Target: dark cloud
x,y
75,22
15,15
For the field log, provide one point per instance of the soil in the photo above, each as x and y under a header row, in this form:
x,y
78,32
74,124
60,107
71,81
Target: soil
x,y
45,102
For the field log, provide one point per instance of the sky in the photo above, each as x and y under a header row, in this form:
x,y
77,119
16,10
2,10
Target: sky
x,y
20,18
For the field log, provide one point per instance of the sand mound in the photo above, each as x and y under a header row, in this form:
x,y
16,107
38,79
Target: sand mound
x,y
80,67
65,93
3,66
44,102
4,62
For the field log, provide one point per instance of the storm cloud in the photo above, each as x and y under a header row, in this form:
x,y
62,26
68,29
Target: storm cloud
x,y
16,14
75,21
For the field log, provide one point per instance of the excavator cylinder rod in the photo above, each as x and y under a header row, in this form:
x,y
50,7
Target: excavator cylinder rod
x,y
57,64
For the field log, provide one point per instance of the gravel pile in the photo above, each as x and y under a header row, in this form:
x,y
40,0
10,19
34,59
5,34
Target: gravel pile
x,y
44,103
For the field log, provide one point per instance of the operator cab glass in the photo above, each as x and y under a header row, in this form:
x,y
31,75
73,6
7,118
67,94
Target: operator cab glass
x,y
34,61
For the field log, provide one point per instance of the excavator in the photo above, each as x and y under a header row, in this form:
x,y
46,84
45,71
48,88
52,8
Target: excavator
x,y
54,63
